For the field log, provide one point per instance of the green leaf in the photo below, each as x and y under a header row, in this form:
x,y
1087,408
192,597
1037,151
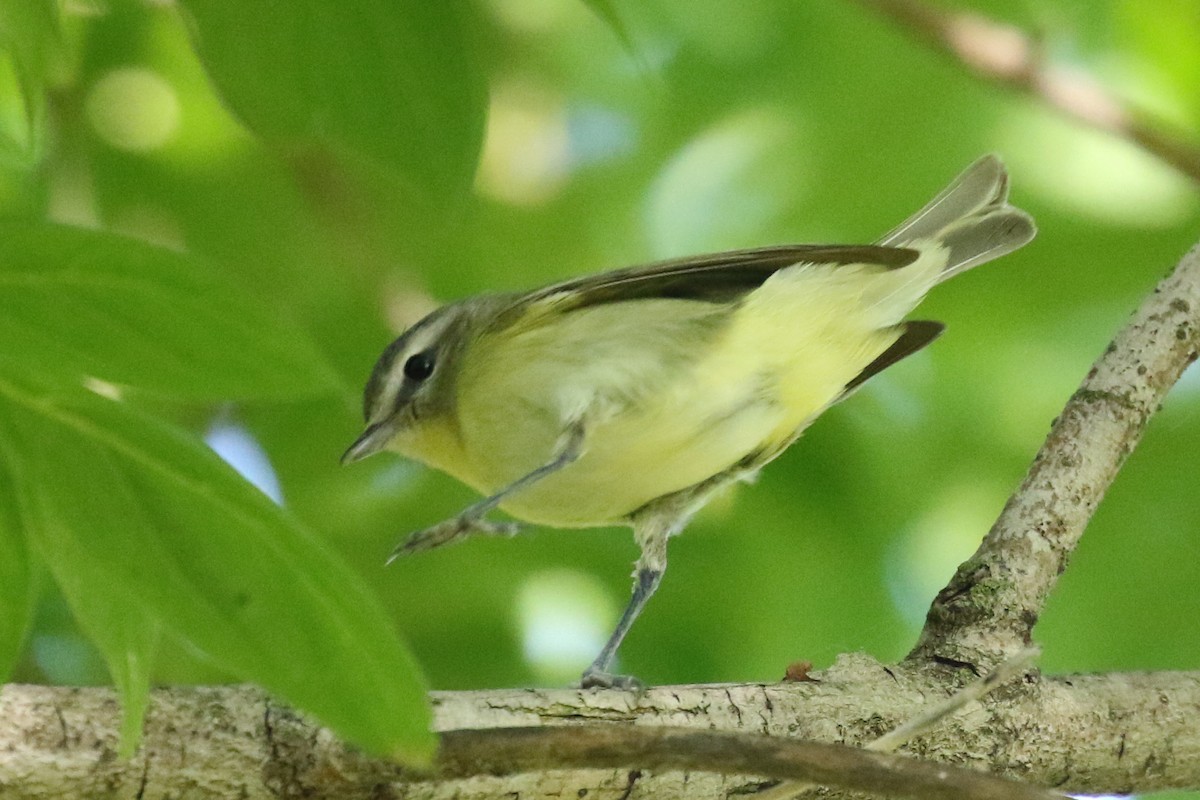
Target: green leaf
x,y
110,614
84,303
1161,43
17,587
29,30
606,10
393,81
139,513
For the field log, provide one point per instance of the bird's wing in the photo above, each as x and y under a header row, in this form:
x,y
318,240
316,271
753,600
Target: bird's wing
x,y
715,278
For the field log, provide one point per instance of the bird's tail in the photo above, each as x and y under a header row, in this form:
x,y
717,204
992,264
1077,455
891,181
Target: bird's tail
x,y
971,218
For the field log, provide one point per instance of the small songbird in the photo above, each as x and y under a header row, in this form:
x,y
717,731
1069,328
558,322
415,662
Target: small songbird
x,y
630,397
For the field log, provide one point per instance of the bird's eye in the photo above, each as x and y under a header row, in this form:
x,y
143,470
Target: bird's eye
x,y
418,367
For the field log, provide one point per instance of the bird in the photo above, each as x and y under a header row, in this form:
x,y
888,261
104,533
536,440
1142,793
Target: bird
x,y
631,397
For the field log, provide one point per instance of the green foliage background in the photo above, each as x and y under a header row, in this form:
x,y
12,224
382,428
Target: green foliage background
x,y
307,178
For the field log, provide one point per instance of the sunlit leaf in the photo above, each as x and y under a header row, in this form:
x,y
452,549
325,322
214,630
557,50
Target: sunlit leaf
x,y
394,81
84,303
138,514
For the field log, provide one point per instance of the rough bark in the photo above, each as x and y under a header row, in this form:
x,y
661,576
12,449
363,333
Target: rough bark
x,y
1085,733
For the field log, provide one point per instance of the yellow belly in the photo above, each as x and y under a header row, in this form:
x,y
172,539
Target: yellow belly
x,y
642,454
750,392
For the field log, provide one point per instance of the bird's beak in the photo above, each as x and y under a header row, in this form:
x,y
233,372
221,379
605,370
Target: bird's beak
x,y
372,440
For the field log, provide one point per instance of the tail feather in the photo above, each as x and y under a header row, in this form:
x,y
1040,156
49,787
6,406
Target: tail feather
x,y
983,238
971,218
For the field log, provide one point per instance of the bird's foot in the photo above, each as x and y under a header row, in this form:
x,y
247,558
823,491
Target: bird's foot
x,y
599,679
449,531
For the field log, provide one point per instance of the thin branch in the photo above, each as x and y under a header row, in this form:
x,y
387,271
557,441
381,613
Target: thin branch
x,y
1005,55
990,606
508,751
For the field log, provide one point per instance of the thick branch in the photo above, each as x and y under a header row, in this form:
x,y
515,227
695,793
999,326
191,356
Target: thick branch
x,y
1005,55
990,606
1126,732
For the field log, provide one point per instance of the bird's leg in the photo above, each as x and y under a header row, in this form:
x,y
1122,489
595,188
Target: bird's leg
x,y
646,580
652,535
471,520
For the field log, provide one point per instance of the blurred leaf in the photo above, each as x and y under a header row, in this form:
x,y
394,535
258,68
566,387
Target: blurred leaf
x,y
14,154
607,11
16,580
29,30
1162,34
722,188
137,516
79,302
394,81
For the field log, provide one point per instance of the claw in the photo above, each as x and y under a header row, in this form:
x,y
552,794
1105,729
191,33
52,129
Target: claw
x,y
450,531
595,679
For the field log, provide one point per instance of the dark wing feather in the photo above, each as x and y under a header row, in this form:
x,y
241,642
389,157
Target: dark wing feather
x,y
917,334
715,278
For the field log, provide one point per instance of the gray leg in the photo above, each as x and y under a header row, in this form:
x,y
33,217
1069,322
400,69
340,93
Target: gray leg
x,y
651,532
471,520
598,674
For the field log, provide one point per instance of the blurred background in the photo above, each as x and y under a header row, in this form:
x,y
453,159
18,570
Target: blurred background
x,y
552,138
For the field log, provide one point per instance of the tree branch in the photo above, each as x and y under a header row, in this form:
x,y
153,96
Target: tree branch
x,y
989,608
1005,55
510,751
1127,732
929,717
